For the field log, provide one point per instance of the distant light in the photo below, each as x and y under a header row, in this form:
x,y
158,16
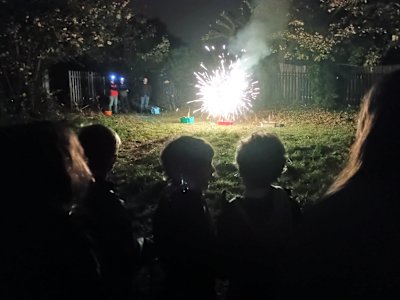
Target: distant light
x,y
122,78
112,77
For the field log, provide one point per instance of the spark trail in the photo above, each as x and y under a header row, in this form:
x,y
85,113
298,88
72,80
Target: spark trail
x,y
227,91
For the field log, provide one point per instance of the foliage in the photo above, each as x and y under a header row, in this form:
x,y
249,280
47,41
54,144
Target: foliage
x,y
306,38
143,47
373,26
322,33
346,31
300,44
324,84
328,33
229,23
252,24
37,34
179,67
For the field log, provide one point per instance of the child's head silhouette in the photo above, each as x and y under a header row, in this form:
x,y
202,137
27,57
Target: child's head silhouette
x,y
189,159
260,158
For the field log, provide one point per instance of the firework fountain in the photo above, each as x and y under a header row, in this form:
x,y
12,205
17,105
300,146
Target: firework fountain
x,y
226,92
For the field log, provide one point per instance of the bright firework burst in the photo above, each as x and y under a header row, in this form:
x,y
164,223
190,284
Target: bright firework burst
x,y
227,91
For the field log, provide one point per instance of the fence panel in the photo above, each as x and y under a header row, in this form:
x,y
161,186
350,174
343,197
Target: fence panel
x,y
295,82
86,88
361,79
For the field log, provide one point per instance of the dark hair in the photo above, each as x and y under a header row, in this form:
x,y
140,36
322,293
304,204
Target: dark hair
x,y
377,143
260,158
44,161
185,155
100,144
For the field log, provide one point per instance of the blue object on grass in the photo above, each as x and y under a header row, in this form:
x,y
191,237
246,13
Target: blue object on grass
x,y
187,120
155,110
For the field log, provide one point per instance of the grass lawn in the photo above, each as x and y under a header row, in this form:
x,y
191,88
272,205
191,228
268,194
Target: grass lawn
x,y
317,143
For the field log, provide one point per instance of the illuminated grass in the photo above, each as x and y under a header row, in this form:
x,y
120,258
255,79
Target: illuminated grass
x,y
316,140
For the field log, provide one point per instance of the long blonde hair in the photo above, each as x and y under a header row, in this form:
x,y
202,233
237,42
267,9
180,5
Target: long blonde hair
x,y
377,143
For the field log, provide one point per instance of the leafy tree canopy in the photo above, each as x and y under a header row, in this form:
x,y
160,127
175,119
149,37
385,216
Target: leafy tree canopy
x,y
36,34
359,32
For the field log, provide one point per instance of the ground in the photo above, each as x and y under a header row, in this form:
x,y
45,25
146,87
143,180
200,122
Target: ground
x,y
317,143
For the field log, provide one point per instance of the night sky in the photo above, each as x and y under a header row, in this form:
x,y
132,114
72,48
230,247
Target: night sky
x,y
186,19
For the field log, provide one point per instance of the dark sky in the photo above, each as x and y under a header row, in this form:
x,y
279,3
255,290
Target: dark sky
x,y
186,19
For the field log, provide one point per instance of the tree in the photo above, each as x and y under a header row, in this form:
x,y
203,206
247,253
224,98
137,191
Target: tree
x,y
39,33
358,32
142,47
327,34
179,67
372,27
229,23
147,51
307,37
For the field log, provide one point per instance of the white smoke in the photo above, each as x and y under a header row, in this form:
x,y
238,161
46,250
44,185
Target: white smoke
x,y
268,18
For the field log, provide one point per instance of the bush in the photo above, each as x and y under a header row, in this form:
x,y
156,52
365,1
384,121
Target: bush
x,y
324,84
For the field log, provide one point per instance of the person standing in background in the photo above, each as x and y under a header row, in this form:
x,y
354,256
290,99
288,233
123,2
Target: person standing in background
x,y
113,95
123,94
169,94
145,95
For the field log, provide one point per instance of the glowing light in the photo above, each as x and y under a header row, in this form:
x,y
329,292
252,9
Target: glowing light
x,y
227,91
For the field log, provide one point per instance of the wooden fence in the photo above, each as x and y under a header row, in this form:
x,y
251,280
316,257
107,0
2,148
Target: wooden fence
x,y
295,82
361,79
85,89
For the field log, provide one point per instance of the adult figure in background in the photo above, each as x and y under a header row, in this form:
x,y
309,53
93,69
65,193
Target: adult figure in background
x,y
169,91
183,233
43,255
103,216
123,91
349,244
254,228
113,95
145,94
